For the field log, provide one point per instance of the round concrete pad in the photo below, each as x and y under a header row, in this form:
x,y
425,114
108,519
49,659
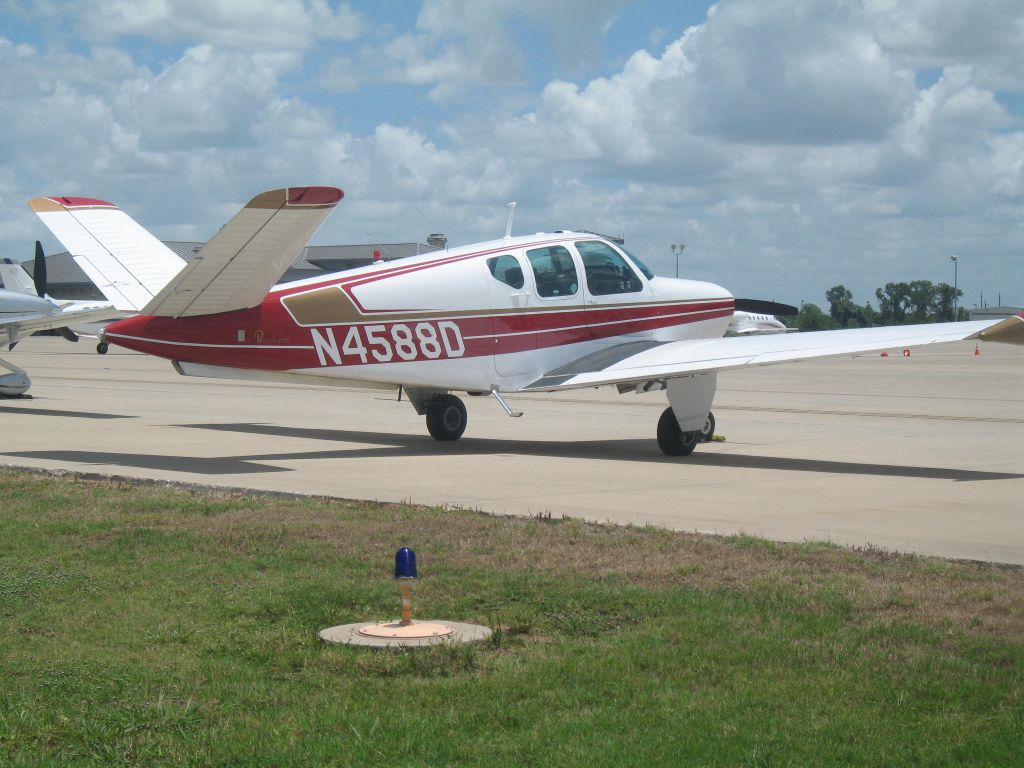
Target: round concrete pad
x,y
415,630
353,634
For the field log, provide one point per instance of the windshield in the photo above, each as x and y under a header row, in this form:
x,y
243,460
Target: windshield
x,y
639,264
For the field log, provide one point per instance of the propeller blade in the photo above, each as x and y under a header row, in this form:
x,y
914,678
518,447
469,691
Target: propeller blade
x,y
39,271
761,307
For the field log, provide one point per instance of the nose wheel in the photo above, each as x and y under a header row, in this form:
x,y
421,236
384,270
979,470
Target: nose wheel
x,y
672,440
446,418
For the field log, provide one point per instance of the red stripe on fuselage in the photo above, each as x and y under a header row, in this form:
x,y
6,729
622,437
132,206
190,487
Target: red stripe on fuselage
x,y
267,338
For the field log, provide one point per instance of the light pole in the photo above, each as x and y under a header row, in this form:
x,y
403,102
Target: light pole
x,y
956,314
676,250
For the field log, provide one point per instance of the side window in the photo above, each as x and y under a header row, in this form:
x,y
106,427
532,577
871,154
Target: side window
x,y
607,272
554,271
506,269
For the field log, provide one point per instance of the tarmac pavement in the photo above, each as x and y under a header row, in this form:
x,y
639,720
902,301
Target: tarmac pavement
x,y
922,453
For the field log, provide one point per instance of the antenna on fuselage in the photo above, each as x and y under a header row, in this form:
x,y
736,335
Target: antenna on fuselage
x,y
508,226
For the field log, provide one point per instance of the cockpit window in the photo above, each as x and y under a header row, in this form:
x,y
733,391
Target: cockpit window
x,y
506,269
554,271
639,264
607,272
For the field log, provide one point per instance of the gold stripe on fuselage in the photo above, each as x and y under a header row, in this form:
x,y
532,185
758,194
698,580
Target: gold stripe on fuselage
x,y
330,305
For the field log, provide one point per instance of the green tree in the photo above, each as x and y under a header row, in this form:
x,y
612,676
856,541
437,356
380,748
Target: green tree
x,y
841,306
922,300
869,315
811,318
945,298
893,302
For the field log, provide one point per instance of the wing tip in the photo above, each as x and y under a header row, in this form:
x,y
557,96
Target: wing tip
x,y
314,195
60,203
292,197
1010,330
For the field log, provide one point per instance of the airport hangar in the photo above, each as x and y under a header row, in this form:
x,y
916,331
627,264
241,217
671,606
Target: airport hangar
x,y
66,280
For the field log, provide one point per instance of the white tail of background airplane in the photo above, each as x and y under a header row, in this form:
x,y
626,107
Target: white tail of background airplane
x,y
125,261
16,278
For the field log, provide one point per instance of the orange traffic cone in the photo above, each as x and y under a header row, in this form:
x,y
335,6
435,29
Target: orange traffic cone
x,y
977,350
906,352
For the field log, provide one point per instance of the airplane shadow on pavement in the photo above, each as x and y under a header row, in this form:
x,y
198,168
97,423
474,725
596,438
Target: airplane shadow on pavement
x,y
32,411
395,445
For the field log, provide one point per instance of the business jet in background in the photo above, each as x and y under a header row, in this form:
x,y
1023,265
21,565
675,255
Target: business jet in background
x,y
755,318
542,313
25,309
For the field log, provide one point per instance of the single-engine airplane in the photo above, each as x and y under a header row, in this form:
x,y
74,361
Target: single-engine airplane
x,y
541,313
23,313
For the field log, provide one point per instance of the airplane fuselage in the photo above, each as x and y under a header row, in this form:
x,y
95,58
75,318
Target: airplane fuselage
x,y
15,303
489,317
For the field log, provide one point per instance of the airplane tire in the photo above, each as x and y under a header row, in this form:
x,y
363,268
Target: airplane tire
x,y
707,432
102,348
671,439
446,418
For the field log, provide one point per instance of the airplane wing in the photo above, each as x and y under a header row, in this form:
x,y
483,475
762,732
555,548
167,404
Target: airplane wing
x,y
125,262
636,362
237,267
17,326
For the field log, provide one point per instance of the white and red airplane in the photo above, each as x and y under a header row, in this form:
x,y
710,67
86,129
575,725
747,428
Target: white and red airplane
x,y
541,313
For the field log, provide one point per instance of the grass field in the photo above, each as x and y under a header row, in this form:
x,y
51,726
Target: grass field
x,y
149,625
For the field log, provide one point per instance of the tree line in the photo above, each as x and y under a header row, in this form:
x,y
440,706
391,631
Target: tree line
x,y
919,301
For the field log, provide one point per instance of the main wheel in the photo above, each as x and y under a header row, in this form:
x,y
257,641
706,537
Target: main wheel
x,y
671,439
446,418
707,432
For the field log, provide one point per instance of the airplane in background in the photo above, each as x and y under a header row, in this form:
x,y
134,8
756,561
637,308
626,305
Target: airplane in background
x,y
541,313
23,313
755,318
123,260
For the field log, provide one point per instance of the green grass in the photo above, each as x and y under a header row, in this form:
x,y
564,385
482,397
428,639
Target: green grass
x,y
148,625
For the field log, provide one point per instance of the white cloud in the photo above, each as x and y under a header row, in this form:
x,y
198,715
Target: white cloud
x,y
206,98
787,143
986,34
273,24
460,45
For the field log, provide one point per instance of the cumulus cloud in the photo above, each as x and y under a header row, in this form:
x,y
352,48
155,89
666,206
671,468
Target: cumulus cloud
x,y
459,45
274,24
792,145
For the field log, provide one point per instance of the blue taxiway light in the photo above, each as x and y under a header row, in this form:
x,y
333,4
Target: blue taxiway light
x,y
405,564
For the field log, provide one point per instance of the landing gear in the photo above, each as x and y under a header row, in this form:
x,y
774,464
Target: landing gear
x,y
671,439
446,417
102,348
707,432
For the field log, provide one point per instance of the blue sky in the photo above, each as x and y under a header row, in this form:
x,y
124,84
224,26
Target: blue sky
x,y
790,144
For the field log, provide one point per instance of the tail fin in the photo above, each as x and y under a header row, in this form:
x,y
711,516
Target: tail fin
x,y
126,262
248,255
16,278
